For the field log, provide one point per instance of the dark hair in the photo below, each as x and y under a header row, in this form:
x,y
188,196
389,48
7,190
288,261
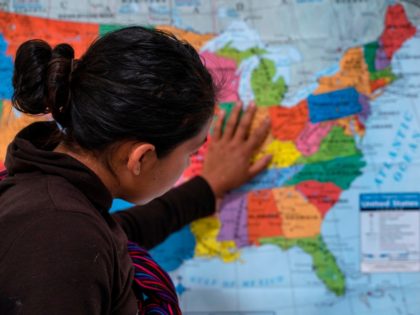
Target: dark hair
x,y
131,84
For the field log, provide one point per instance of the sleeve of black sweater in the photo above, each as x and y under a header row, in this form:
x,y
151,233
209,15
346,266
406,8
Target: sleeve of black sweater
x,y
151,224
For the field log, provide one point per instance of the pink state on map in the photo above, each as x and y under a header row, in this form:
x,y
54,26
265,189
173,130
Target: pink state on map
x,y
234,218
309,140
224,72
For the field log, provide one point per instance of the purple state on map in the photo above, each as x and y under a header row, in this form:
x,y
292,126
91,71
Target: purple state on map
x,y
366,110
381,60
234,218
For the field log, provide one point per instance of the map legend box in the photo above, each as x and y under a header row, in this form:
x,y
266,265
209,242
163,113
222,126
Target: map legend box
x,y
390,232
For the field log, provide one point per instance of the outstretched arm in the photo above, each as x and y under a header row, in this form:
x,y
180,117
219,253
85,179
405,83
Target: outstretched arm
x,y
226,167
151,224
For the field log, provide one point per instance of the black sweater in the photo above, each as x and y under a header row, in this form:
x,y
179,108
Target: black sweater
x,y
61,251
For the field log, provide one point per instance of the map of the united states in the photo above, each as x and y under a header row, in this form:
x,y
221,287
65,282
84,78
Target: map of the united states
x,y
315,156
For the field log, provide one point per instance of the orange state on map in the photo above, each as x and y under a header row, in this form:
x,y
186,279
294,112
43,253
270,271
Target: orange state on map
x,y
300,218
353,73
261,114
352,125
18,28
264,218
322,195
288,122
11,124
195,39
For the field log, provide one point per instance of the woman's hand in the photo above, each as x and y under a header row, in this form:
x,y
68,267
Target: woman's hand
x,y
227,164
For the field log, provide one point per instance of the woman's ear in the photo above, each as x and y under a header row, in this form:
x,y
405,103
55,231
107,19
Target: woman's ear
x,y
140,155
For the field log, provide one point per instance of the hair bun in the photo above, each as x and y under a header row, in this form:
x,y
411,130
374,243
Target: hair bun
x,y
41,78
63,51
29,78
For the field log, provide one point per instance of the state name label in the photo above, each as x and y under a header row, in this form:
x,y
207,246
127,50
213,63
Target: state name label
x,y
390,232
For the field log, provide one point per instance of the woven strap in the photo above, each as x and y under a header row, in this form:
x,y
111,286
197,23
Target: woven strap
x,y
152,283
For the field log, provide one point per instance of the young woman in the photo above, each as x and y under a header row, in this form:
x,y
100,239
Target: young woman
x,y
127,117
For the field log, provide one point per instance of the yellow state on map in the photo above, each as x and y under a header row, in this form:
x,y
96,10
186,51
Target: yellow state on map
x,y
300,218
284,153
206,231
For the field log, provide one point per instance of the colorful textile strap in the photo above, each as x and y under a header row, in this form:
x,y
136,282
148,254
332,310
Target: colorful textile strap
x,y
152,286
